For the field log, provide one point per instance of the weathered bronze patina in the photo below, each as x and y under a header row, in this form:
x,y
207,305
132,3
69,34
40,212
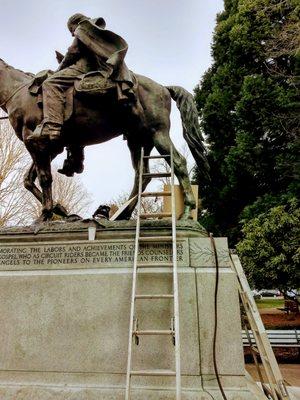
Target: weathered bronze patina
x,y
90,99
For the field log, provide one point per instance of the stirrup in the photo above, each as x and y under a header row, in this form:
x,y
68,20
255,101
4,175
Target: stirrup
x,y
53,135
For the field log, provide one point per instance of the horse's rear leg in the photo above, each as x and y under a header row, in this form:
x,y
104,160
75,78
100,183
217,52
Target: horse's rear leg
x,y
135,151
136,158
163,144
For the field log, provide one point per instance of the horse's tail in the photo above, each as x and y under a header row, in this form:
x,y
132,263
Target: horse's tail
x,y
190,124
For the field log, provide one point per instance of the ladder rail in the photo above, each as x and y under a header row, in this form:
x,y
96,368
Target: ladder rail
x,y
277,387
175,284
134,331
134,280
254,354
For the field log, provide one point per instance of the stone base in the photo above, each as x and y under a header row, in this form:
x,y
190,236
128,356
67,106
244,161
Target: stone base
x,y
53,393
64,315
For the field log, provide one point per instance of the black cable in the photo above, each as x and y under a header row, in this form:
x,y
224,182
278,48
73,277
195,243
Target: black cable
x,y
216,317
200,366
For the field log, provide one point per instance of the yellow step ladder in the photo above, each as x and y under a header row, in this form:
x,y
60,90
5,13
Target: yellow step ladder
x,y
274,388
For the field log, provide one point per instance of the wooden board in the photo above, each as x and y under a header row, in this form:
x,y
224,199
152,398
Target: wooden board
x,y
122,208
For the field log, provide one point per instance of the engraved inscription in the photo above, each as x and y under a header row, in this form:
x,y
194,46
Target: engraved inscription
x,y
96,254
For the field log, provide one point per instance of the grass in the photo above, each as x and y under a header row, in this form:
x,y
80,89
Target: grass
x,y
270,303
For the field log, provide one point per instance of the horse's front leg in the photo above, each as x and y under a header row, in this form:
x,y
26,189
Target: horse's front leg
x,y
41,157
29,179
42,168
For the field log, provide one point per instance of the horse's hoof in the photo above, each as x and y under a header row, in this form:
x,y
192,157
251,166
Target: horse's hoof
x,y
66,172
60,210
186,217
71,167
42,219
79,168
73,218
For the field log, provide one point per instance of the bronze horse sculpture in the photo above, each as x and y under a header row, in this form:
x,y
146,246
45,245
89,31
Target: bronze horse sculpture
x,y
98,120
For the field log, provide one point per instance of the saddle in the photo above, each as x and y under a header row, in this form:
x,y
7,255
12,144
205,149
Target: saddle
x,y
90,85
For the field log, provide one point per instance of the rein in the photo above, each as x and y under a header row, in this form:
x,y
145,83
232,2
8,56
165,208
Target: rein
x,y
13,94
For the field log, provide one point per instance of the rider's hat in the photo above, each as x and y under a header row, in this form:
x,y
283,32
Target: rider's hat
x,y
78,18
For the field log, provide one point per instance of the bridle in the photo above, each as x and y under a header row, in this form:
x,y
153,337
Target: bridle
x,y
13,94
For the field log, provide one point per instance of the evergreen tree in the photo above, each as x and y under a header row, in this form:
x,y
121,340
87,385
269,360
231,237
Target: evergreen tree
x,y
249,113
270,250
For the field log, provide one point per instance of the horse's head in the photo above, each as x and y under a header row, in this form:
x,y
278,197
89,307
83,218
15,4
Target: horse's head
x,y
10,80
3,68
3,81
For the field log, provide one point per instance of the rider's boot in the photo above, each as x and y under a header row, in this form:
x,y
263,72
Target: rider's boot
x,y
74,161
47,130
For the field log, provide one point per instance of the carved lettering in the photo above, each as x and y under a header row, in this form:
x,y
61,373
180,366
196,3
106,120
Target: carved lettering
x,y
87,254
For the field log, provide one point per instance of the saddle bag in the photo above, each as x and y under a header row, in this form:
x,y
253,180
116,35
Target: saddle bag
x,y
94,84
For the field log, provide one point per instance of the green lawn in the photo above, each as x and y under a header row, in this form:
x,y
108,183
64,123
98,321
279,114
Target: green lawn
x,y
270,303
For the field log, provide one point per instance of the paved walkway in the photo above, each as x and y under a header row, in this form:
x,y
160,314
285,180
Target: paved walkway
x,y
270,311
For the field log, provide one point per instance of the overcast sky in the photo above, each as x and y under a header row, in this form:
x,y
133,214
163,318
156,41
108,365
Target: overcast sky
x,y
169,41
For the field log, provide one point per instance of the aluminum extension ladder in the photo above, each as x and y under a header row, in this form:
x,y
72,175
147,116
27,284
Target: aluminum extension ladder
x,y
275,388
134,331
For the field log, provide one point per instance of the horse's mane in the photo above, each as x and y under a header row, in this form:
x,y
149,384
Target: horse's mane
x,y
29,74
4,62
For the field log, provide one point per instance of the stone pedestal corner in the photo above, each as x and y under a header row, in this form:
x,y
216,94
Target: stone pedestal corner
x,y
64,313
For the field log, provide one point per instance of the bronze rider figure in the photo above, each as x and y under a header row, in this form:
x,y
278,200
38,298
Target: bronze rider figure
x,y
93,49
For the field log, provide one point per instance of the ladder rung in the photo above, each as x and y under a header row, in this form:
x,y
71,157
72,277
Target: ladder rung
x,y
153,157
162,265
153,332
156,194
155,238
157,174
154,372
155,215
154,296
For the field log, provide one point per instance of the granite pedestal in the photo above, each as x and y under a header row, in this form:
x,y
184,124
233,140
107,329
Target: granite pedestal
x,y
64,314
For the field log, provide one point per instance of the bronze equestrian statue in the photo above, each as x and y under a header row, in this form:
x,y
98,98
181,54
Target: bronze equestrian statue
x,y
90,99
